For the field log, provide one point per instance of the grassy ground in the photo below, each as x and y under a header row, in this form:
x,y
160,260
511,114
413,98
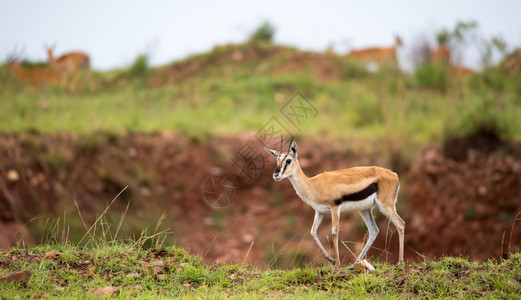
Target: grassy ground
x,y
231,97
126,270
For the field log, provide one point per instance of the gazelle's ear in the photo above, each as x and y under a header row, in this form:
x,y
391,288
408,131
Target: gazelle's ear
x,y
272,152
294,149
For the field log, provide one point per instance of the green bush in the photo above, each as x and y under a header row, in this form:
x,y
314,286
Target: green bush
x,y
435,76
139,67
482,114
353,69
264,33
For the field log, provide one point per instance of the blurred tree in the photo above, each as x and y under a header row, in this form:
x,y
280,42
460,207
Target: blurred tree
x,y
264,33
442,54
443,37
463,34
139,67
488,48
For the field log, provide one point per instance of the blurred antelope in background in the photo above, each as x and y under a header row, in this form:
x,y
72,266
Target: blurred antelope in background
x,y
442,56
380,56
71,64
355,189
37,76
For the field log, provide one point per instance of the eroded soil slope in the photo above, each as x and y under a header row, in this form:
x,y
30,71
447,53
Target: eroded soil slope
x,y
464,206
465,198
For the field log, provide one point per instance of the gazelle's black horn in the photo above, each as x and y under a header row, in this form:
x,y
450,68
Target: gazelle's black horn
x,y
289,145
281,139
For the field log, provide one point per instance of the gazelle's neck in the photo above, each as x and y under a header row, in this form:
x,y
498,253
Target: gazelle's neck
x,y
301,183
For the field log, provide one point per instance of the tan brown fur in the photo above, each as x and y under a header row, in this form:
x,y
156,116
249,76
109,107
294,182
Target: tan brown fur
x,y
379,55
441,55
36,76
71,64
461,71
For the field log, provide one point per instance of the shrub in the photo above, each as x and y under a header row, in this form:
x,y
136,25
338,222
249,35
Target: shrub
x,y
482,115
434,76
264,33
354,69
139,67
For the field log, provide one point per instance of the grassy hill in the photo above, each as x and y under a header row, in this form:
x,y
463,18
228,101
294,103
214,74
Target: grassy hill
x,y
237,88
126,270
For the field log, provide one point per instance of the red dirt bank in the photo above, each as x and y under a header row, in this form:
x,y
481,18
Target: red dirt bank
x,y
453,207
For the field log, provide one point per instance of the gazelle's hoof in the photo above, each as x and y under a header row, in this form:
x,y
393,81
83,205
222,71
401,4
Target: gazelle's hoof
x,y
362,265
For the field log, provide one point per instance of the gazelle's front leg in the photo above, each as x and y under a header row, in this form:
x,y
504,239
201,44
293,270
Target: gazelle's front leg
x,y
335,220
318,219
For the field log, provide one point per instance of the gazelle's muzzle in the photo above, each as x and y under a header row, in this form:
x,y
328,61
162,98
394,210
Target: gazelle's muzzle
x,y
277,174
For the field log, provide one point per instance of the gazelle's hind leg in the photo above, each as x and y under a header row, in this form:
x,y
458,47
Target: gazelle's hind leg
x,y
367,216
400,226
335,221
388,208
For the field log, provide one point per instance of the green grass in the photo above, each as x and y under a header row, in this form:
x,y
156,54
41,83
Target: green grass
x,y
172,272
226,96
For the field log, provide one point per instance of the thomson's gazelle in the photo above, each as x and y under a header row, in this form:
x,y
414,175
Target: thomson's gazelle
x,y
354,189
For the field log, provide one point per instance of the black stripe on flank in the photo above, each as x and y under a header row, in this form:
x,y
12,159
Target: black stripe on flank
x,y
358,196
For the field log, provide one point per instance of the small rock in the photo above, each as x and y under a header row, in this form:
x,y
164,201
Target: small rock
x,y
187,285
133,275
232,277
237,55
108,291
158,266
208,221
17,277
54,254
512,282
247,238
136,287
414,271
279,97
279,294
482,190
12,175
132,152
161,277
158,263
164,292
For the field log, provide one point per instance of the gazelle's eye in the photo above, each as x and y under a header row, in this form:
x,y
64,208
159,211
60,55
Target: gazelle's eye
x,y
288,162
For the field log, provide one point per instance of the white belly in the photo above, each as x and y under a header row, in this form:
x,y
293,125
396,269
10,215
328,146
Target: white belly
x,y
360,205
365,204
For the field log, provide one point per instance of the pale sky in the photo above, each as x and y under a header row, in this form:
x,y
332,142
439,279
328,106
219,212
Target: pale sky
x,y
114,32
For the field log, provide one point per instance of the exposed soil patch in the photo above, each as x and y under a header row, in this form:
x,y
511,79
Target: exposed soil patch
x,y
465,198
265,223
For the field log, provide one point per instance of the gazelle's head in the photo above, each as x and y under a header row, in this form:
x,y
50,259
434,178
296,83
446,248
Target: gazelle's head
x,y
286,162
